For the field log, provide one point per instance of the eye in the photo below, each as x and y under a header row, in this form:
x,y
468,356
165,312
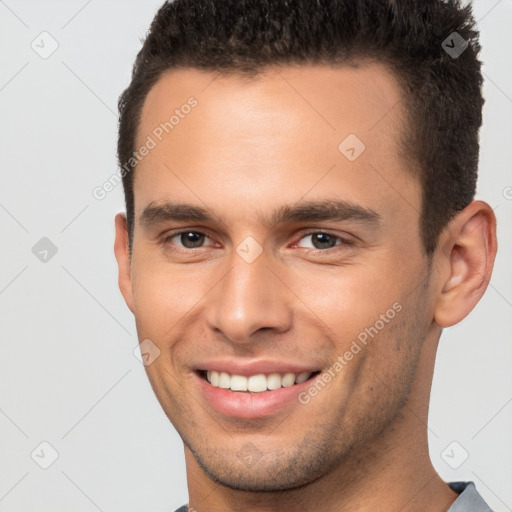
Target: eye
x,y
188,239
322,240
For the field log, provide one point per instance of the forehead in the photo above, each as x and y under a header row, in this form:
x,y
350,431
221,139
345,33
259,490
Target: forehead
x,y
283,129
355,96
368,74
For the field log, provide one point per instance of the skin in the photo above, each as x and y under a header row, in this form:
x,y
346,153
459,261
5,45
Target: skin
x,y
247,148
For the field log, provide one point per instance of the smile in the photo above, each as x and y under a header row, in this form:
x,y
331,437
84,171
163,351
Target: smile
x,y
254,395
255,383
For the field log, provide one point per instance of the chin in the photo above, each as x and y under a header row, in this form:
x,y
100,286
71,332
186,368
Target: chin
x,y
249,469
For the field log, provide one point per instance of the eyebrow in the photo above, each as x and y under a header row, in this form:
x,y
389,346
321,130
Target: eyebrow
x,y
333,210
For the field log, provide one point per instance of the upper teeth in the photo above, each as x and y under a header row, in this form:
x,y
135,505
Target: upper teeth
x,y
255,383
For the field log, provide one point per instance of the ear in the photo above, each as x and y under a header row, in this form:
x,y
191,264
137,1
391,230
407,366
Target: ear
x,y
123,259
466,253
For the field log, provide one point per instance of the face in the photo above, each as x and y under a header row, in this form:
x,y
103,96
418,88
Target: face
x,y
273,249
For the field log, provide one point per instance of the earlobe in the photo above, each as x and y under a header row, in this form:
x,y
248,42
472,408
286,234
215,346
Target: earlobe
x,y
123,259
467,251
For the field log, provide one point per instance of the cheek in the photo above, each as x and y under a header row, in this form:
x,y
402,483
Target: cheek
x,y
382,371
163,295
350,300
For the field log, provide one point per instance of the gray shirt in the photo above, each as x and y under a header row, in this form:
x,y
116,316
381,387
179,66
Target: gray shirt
x,y
469,499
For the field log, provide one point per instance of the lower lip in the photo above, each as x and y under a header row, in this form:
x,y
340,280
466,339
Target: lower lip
x,y
247,405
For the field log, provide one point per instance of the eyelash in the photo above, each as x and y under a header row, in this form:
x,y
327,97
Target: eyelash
x,y
344,242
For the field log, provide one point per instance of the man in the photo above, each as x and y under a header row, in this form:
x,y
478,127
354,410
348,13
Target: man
x,y
299,179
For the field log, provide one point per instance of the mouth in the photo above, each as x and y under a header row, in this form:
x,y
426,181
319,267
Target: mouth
x,y
258,395
251,389
257,383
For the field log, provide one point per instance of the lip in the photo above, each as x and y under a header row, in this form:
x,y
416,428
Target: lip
x,y
248,405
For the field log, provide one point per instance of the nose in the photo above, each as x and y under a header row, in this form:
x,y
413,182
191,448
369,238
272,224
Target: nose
x,y
250,298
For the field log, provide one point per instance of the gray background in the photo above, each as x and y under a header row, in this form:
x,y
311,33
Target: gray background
x,y
68,375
